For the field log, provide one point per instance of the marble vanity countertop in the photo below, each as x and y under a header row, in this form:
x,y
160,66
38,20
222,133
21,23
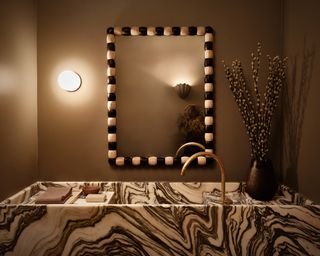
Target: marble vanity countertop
x,y
284,196
154,193
159,218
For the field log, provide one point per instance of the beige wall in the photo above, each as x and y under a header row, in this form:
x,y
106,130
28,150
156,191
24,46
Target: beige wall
x,y
71,35
302,21
18,95
72,126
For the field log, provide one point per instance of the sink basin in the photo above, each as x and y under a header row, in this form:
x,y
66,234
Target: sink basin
x,y
160,218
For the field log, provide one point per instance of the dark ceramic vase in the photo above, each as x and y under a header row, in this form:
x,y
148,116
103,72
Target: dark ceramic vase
x,y
261,183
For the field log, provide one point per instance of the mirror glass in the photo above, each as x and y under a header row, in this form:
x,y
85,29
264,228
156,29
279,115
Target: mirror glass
x,y
148,105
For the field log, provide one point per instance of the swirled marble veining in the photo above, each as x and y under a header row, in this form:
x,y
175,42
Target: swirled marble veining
x,y
160,218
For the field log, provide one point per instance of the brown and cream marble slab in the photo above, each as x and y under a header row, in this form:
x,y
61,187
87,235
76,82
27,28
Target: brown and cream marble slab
x,y
160,218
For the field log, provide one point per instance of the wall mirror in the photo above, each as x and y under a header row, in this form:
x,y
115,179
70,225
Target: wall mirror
x,y
144,66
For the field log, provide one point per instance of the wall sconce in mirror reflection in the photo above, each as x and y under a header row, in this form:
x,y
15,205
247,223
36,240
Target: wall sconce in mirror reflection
x,y
183,90
69,80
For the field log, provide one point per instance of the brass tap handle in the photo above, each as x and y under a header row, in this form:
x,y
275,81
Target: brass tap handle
x,y
190,144
217,159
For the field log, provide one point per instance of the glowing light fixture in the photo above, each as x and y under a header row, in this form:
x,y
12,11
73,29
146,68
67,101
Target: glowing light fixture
x,y
183,90
69,80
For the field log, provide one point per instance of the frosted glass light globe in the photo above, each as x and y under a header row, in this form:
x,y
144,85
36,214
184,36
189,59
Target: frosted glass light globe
x,y
69,80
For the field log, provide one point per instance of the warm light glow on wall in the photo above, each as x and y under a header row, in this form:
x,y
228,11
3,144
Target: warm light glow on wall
x,y
69,80
8,79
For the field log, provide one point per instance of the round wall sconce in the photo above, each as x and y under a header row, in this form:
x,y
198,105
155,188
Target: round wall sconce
x,y
183,90
69,80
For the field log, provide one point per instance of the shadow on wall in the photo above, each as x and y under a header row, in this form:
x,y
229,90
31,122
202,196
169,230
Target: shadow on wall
x,y
294,100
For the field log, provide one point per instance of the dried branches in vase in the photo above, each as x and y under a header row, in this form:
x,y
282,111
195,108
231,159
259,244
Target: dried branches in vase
x,y
191,121
257,110
191,126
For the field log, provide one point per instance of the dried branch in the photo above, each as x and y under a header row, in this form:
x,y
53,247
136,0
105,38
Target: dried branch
x,y
256,111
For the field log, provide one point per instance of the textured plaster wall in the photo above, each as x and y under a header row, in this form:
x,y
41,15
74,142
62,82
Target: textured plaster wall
x,y
301,22
18,95
71,35
70,132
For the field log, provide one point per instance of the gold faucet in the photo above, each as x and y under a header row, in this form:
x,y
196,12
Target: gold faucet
x,y
216,158
190,144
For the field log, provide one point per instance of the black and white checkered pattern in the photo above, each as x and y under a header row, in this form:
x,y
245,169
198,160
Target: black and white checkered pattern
x,y
208,34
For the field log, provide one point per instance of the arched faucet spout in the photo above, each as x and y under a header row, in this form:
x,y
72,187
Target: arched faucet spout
x,y
217,159
190,144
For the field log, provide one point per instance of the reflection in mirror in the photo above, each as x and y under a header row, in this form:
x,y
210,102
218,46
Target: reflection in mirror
x,y
144,124
148,68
